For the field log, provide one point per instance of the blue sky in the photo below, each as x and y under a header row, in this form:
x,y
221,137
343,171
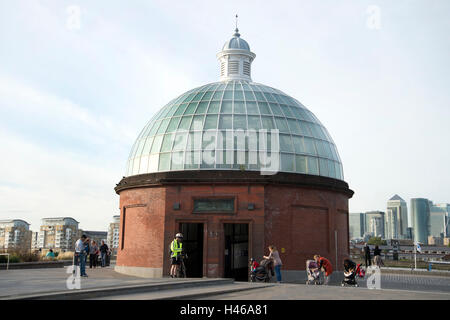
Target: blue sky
x,y
72,100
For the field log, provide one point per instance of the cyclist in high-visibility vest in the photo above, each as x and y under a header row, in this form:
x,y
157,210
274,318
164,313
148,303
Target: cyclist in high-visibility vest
x,y
176,247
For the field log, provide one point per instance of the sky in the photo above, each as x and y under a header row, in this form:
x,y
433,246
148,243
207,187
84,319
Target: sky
x,y
80,79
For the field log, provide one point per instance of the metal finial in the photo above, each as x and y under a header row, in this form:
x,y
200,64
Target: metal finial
x,y
236,31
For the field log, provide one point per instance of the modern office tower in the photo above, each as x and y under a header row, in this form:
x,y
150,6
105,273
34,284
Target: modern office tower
x,y
439,220
375,223
113,234
58,233
357,225
396,218
420,213
14,235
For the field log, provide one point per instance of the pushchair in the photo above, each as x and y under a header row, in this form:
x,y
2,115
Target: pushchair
x,y
312,272
262,272
350,277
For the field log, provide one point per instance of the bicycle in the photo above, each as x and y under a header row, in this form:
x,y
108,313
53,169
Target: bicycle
x,y
181,270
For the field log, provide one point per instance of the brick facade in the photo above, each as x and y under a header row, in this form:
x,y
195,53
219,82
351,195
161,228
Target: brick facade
x,y
301,218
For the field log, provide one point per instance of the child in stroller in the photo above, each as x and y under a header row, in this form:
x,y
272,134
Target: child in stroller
x,y
312,272
261,271
351,272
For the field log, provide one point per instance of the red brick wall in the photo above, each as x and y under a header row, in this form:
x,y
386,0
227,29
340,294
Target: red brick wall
x,y
300,220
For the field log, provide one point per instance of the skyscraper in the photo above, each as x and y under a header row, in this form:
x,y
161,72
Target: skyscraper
x,y
439,217
357,225
396,218
420,213
375,223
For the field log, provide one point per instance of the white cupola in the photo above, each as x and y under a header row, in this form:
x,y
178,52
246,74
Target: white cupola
x,y
235,59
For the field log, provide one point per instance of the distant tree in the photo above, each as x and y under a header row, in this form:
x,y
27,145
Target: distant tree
x,y
377,241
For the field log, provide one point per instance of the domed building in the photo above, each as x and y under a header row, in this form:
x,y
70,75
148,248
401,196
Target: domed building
x,y
235,166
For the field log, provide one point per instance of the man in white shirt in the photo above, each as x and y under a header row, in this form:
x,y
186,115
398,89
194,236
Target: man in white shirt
x,y
80,255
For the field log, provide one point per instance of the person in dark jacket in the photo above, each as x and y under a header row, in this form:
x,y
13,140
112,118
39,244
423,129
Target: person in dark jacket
x,y
104,251
367,255
377,257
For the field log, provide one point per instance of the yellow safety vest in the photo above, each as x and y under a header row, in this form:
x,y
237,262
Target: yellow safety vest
x,y
176,248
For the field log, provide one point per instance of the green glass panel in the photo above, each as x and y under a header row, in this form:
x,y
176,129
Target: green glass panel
x,y
300,164
163,126
202,106
282,124
157,144
238,95
207,96
173,124
240,122
252,108
167,142
197,123
323,167
177,161
287,162
225,122
287,112
214,107
298,144
198,96
185,123
164,162
313,166
276,110
209,140
180,109
192,160
191,108
239,107
331,169
254,122
309,145
259,96
269,97
227,107
264,108
211,121
154,128
267,123
208,159
286,143
180,141
249,96
228,95
217,95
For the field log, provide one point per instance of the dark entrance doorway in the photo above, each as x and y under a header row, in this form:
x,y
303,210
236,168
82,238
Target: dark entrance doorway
x,y
193,246
236,251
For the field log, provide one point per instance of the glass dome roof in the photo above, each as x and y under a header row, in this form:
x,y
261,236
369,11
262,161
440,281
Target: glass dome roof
x,y
190,133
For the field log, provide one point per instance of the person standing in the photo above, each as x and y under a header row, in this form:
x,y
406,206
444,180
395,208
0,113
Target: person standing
x,y
80,253
176,247
377,257
326,265
367,255
104,251
275,257
93,255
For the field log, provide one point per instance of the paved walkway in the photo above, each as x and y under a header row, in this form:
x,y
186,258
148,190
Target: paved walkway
x,y
312,292
32,281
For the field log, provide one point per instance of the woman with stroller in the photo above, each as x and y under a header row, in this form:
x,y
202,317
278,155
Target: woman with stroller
x,y
275,257
349,272
326,265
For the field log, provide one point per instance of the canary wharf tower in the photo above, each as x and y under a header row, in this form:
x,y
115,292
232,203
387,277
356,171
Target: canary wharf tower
x,y
235,166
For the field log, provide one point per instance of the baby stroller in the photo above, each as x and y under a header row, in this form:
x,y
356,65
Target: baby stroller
x,y
350,277
261,272
312,272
